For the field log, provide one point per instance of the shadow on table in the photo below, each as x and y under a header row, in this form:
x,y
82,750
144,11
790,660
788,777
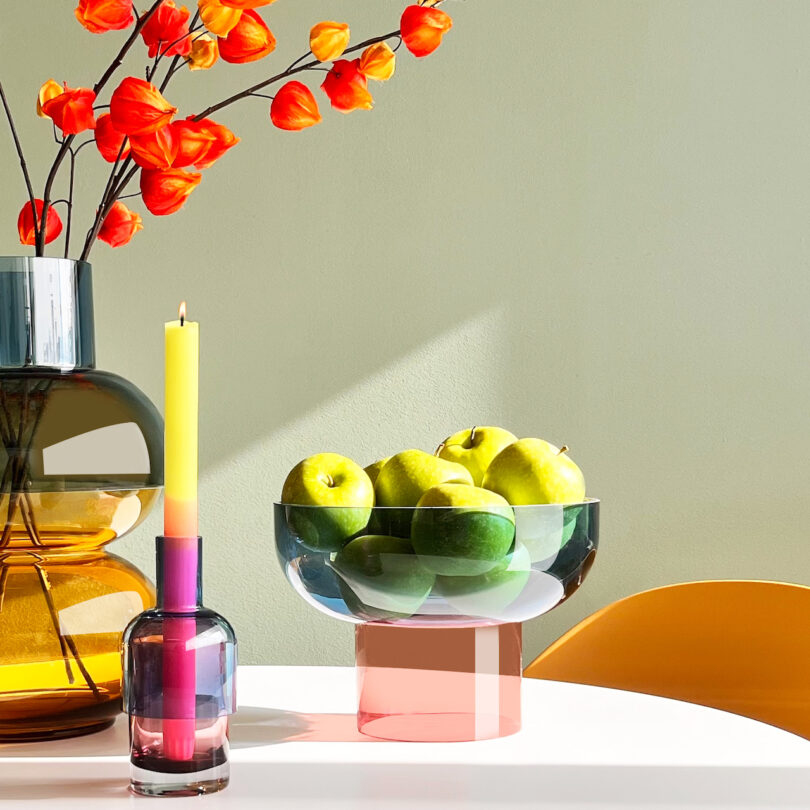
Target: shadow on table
x,y
252,726
255,726
60,781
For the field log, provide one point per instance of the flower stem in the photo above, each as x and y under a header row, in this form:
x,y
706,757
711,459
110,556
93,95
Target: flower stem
x,y
294,68
23,164
97,88
70,202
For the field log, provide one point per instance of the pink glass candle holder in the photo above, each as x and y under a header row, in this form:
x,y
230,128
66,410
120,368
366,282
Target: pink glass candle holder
x,y
179,682
438,631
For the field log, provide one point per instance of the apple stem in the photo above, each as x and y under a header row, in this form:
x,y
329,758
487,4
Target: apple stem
x,y
440,448
472,433
563,449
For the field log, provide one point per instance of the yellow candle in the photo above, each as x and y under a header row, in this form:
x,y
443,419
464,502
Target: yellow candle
x,y
181,414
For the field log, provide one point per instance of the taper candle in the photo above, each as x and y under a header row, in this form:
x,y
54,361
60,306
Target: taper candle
x,y
182,406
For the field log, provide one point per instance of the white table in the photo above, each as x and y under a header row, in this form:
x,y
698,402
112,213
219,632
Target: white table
x,y
295,745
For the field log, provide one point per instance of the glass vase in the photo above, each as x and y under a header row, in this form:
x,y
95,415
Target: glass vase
x,y
81,464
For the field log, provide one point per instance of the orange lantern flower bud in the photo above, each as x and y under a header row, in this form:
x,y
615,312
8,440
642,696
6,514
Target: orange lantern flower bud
x,y
294,107
193,139
109,139
201,143
346,87
328,40
204,52
166,31
138,108
224,140
219,19
51,89
155,150
98,16
120,225
422,29
248,41
25,223
72,110
378,62
164,191
244,5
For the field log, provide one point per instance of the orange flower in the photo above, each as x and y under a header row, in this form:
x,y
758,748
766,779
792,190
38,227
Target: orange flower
x,y
155,150
218,18
25,223
328,40
294,107
109,139
98,16
378,62
120,225
422,29
201,143
194,139
250,40
138,108
51,89
204,52
346,87
165,191
72,110
166,31
224,140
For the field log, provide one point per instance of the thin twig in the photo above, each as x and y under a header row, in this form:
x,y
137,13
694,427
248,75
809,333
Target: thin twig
x,y
178,61
45,583
314,65
23,164
71,177
93,231
3,578
97,88
82,145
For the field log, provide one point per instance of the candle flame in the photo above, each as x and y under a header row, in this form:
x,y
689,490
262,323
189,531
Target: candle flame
x,y
181,312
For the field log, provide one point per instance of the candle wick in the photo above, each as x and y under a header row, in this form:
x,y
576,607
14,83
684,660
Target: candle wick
x,y
182,319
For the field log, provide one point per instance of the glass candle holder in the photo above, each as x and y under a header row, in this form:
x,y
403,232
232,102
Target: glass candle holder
x,y
437,603
179,684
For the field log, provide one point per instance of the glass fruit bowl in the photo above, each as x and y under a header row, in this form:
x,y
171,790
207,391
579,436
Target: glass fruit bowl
x,y
437,594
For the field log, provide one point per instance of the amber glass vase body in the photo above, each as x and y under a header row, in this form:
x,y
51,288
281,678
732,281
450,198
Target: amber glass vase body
x,y
80,465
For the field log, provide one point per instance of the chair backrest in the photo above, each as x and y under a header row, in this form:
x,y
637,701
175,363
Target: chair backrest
x,y
740,646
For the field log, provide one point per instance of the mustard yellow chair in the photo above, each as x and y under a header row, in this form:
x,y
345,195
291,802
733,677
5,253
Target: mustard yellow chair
x,y
741,646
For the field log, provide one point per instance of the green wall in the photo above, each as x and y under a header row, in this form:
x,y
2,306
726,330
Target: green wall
x,y
580,219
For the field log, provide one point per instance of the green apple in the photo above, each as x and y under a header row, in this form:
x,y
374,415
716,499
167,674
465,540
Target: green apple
x,y
373,470
488,594
381,577
475,448
342,491
406,476
466,533
531,471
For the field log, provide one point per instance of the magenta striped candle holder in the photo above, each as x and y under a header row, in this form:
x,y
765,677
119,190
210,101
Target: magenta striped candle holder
x,y
438,631
179,682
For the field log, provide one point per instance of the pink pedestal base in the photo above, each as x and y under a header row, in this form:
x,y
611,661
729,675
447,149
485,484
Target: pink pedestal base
x,y
438,684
